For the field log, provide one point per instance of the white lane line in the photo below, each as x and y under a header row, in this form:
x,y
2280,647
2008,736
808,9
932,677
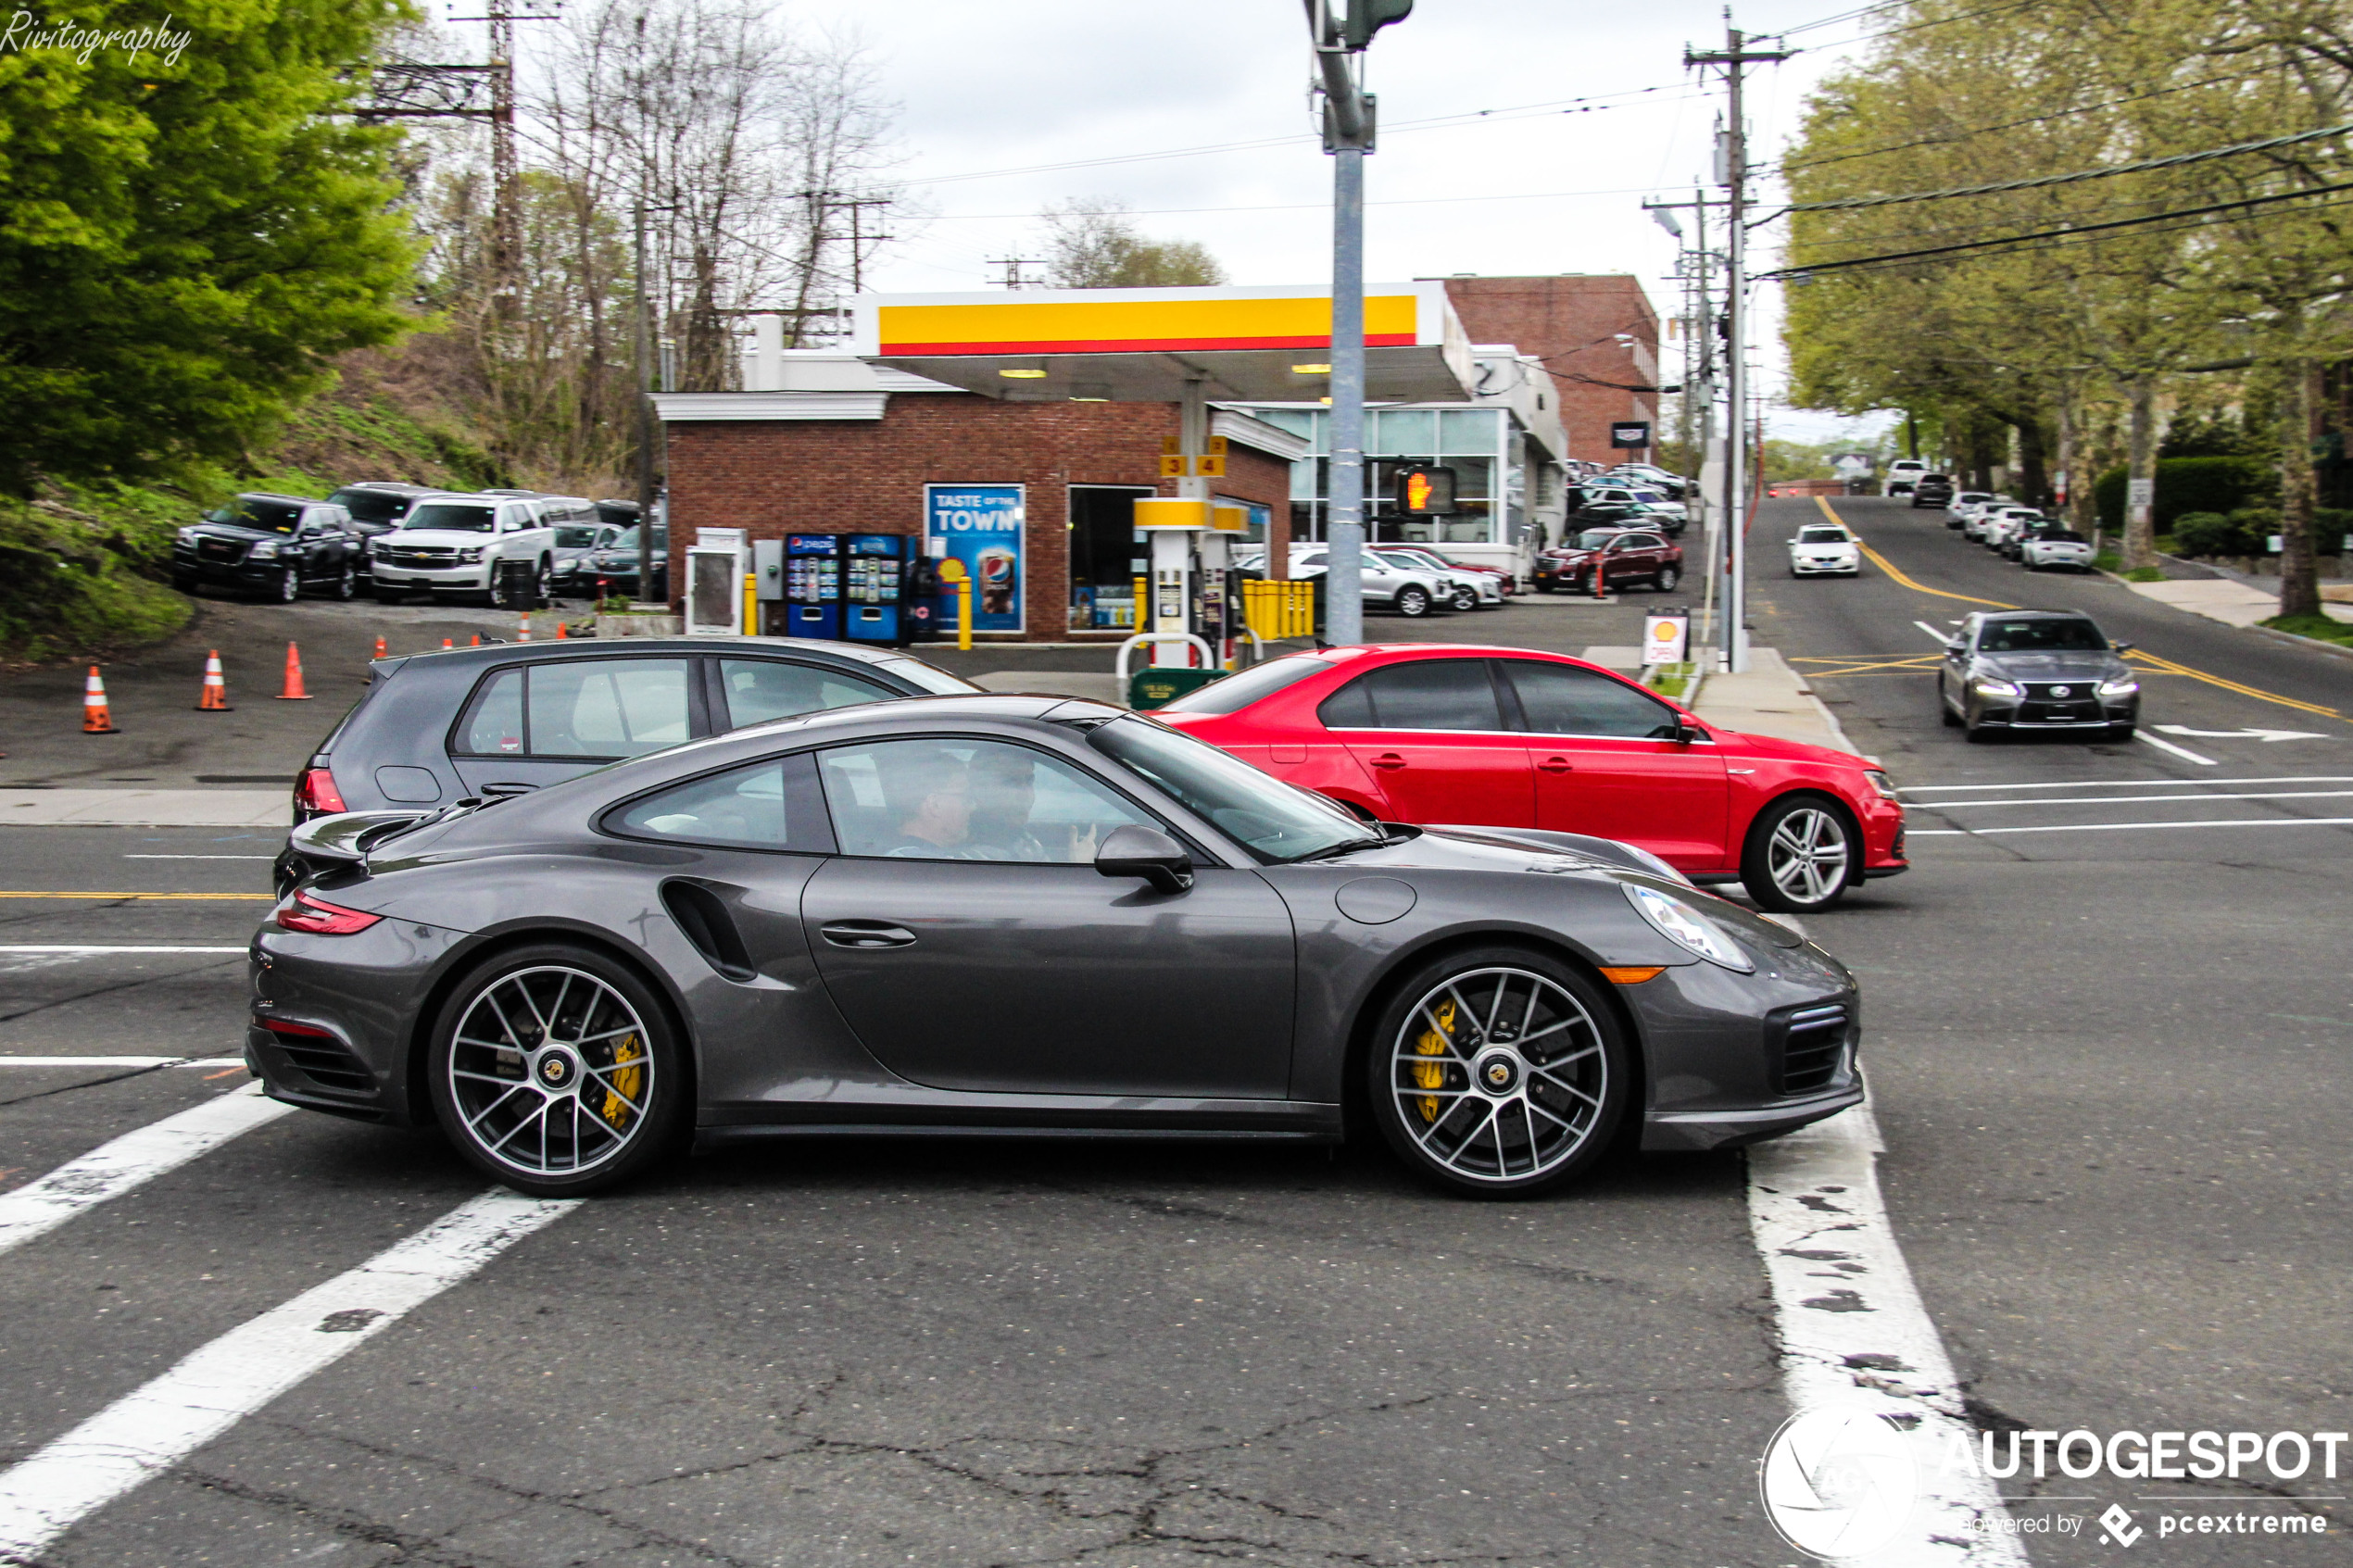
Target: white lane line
x,y
200,856
1941,638
2111,827
149,1431
1855,1333
2183,752
131,1161
2137,784
2131,799
122,1061
103,948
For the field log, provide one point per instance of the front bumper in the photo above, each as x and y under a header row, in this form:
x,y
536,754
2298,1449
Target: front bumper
x,y
449,579
2044,713
1826,567
247,574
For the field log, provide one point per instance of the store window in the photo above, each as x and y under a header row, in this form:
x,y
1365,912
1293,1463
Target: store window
x,y
1106,556
1480,445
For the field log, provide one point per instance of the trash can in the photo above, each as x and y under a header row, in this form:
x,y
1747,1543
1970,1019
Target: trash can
x,y
1155,687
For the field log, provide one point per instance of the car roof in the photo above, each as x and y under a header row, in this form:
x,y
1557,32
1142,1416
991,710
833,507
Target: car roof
x,y
280,495
391,486
613,647
2029,615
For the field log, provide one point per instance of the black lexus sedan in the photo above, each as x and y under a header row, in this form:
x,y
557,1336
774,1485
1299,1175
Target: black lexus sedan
x,y
1021,914
273,545
2037,670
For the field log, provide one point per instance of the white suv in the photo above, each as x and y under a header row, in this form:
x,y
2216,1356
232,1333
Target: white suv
x,y
1386,585
1903,475
458,545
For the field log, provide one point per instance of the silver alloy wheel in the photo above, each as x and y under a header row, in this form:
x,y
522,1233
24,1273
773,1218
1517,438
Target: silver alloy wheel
x,y
550,1071
1465,600
1667,578
1499,1074
1412,602
1807,856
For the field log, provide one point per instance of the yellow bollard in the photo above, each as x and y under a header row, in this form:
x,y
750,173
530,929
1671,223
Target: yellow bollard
x,y
952,570
751,605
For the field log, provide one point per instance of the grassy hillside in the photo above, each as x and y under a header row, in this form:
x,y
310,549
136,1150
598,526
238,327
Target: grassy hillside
x,y
84,571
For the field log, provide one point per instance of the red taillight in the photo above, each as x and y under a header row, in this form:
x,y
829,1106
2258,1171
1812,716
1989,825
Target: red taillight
x,y
316,791
323,919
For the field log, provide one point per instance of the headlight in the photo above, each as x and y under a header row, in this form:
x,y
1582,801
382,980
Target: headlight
x,y
469,557
1685,926
1879,782
262,551
2123,686
1996,687
188,535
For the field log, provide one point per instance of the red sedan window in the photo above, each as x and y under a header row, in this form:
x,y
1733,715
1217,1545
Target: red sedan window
x,y
1562,699
1451,694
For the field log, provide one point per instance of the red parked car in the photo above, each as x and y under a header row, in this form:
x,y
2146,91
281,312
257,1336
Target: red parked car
x,y
1624,557
1471,735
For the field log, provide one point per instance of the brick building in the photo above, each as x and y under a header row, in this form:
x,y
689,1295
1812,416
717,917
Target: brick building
x,y
1594,332
845,448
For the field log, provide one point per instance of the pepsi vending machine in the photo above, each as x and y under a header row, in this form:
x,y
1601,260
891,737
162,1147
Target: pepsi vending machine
x,y
812,585
874,593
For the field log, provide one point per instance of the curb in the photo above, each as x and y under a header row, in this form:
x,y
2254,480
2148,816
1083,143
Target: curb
x,y
2286,639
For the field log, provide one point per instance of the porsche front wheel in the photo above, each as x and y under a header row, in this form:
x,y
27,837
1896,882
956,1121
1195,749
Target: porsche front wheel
x,y
556,1070
1498,1072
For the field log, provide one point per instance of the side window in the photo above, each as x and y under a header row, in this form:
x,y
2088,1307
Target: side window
x,y
768,804
967,800
772,688
1453,693
1562,699
580,709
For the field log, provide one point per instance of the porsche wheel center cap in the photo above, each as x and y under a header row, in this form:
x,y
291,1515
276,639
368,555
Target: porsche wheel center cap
x,y
1498,1072
557,1070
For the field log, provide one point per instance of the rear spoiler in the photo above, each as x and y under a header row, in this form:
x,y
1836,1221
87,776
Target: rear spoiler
x,y
345,839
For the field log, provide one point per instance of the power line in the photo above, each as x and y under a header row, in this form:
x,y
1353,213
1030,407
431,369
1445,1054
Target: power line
x,y
1818,267
2143,166
1317,206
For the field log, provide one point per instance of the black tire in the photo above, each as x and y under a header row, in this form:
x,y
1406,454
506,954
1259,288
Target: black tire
x,y
388,596
1667,579
1412,603
1788,863
288,587
184,584
1439,1134
543,587
1465,600
494,1127
2122,732
347,585
1546,587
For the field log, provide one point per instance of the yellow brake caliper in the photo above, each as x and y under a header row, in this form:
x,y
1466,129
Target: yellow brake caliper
x,y
1432,1075
626,1080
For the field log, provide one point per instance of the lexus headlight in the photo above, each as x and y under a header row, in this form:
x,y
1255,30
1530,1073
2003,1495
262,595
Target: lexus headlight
x,y
1685,926
2123,685
1997,687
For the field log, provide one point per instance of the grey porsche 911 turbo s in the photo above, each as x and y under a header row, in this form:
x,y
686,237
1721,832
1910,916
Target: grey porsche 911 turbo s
x,y
1020,914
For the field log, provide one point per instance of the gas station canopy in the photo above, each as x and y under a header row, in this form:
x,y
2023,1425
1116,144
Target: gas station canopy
x,y
1147,345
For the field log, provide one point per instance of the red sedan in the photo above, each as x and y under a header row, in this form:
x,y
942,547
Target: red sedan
x,y
1481,736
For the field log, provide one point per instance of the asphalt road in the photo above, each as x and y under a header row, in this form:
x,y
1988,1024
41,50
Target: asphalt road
x,y
2109,1065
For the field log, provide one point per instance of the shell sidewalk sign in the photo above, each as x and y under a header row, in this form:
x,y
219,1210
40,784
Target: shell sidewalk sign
x,y
1665,638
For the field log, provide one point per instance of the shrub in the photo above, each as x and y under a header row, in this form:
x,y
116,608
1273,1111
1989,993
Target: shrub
x,y
2205,533
2191,484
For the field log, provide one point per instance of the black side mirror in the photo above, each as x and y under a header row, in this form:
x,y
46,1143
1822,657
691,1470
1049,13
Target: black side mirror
x,y
1686,735
1146,852
2121,647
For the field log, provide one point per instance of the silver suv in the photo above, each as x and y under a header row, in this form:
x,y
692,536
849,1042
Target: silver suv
x,y
450,545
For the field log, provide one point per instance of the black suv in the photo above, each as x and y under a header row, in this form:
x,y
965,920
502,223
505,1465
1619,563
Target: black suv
x,y
377,506
1933,490
274,545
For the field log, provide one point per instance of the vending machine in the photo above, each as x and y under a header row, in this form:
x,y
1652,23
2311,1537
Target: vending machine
x,y
874,593
812,585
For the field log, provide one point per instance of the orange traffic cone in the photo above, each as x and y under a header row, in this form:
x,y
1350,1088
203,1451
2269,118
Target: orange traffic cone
x,y
380,647
476,642
524,633
560,631
96,720
214,698
447,644
294,692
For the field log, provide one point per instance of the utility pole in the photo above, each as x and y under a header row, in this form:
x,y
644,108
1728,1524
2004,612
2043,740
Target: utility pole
x,y
1349,123
645,409
1012,266
1735,58
506,166
1699,373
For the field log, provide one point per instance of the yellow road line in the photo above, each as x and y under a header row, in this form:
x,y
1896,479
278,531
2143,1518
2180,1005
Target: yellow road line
x,y
2155,661
1885,565
267,897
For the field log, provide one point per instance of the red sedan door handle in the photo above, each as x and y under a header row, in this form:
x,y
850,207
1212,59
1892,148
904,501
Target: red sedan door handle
x,y
1389,759
1557,765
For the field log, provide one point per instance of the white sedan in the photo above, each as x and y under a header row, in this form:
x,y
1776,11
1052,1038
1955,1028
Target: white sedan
x,y
1824,549
2042,548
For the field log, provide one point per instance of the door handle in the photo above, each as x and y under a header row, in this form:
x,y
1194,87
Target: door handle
x,y
1389,759
866,934
1557,765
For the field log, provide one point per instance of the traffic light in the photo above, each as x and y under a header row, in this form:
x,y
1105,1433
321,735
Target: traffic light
x,y
1423,490
1368,16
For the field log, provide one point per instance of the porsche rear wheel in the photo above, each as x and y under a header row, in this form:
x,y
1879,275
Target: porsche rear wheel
x,y
1498,1072
556,1070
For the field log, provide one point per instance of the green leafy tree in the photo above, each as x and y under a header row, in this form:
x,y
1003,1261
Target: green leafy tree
x,y
188,230
1092,245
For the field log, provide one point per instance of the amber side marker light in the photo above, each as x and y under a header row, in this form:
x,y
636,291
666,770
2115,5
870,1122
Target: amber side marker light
x,y
1633,974
322,919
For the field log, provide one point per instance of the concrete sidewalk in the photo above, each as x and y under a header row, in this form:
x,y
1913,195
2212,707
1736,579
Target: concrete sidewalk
x,y
146,808
2231,600
1769,699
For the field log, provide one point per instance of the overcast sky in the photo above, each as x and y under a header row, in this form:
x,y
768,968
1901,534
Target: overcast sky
x,y
1592,110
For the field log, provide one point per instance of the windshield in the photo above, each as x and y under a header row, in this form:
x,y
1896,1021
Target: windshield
x,y
452,519
1821,534
930,677
2040,637
1594,539
270,517
627,540
1236,691
371,506
1277,822
574,536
